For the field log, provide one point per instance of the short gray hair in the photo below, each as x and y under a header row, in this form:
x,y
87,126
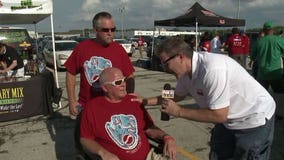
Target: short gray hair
x,y
173,46
97,18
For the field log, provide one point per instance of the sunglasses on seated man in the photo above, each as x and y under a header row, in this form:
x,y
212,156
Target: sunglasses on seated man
x,y
117,82
107,29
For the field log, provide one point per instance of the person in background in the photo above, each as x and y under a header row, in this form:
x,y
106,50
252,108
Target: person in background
x,y
235,46
246,47
11,62
253,62
268,51
141,43
89,59
114,127
204,43
241,109
215,44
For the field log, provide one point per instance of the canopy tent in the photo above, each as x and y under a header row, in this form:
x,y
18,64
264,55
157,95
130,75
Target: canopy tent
x,y
28,12
196,16
202,16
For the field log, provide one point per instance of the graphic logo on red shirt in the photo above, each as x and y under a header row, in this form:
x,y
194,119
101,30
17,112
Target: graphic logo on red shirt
x,y
122,129
94,67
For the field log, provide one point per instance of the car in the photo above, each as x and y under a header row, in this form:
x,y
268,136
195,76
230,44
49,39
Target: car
x,y
126,45
63,49
80,39
18,38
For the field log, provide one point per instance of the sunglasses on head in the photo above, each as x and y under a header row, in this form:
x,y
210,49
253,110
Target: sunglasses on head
x,y
116,82
107,29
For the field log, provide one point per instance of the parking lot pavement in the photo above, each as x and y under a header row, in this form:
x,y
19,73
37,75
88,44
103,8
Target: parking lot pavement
x,y
45,138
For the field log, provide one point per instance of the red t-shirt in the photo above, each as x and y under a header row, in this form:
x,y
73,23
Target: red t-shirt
x,y
235,44
141,41
206,46
118,127
90,58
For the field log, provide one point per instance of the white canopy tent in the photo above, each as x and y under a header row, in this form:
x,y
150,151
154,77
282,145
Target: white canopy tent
x,y
28,12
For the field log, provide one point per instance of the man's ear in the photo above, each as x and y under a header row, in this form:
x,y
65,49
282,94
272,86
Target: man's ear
x,y
103,87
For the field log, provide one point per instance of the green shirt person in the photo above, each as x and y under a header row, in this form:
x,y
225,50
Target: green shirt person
x,y
268,54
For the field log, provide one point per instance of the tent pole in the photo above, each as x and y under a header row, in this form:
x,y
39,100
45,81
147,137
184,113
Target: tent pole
x,y
54,56
196,29
53,47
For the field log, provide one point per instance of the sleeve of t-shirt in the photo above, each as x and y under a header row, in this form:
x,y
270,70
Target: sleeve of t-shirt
x,y
217,89
72,64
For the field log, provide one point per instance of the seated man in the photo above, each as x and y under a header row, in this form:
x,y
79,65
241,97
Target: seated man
x,y
10,61
116,128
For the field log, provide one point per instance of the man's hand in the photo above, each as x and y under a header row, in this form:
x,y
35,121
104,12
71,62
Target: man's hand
x,y
137,98
170,107
170,148
73,109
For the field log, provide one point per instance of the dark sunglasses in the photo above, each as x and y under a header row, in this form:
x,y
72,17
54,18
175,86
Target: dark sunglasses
x,y
116,82
165,63
107,29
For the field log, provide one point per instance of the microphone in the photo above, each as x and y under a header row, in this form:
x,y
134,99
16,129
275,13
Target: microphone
x,y
167,93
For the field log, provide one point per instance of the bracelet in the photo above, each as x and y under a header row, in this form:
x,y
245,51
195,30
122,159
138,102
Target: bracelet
x,y
168,137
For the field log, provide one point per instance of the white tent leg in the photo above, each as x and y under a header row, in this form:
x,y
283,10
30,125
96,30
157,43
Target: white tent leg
x,y
54,55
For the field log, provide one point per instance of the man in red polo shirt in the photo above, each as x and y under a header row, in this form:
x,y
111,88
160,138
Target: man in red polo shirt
x,y
235,46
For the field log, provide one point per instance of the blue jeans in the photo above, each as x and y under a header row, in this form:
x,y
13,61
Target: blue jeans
x,y
244,144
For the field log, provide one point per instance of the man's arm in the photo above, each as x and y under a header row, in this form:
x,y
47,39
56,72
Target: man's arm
x,y
200,115
12,66
95,148
170,147
70,86
130,84
158,100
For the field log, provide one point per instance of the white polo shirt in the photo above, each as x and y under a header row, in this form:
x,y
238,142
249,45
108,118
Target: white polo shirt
x,y
219,81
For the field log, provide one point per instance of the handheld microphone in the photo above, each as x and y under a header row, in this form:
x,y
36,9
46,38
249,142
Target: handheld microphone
x,y
167,93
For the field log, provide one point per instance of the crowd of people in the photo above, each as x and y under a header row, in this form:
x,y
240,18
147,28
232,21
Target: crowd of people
x,y
113,124
237,44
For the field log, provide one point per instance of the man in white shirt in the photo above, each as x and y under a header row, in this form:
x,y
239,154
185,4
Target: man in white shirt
x,y
242,110
215,44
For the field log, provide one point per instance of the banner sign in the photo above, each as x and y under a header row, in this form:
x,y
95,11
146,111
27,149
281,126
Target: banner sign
x,y
26,6
21,99
11,99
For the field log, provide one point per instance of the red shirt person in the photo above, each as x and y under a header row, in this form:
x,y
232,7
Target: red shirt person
x,y
235,44
246,44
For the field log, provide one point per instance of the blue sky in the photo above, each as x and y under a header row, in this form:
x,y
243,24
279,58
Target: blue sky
x,y
77,14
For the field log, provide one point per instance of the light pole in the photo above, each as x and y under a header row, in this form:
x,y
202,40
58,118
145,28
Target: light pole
x,y
121,10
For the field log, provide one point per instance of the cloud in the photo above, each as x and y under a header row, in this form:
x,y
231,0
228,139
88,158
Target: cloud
x,y
141,14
